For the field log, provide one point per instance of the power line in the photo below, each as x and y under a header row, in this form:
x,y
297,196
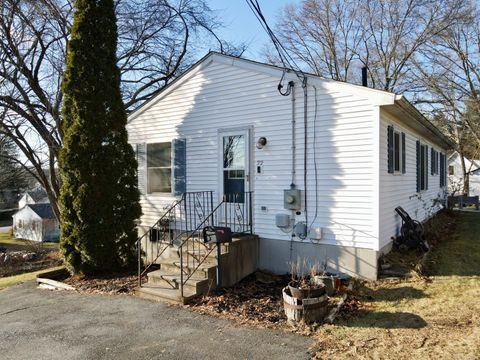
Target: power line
x,y
287,61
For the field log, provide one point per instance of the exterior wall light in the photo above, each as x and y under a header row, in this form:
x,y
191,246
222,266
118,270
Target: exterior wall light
x,y
261,142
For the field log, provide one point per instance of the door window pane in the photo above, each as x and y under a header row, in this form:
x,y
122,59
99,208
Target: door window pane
x,y
234,168
234,152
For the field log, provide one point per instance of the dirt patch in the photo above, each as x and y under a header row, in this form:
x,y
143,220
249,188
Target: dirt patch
x,y
22,261
257,300
114,284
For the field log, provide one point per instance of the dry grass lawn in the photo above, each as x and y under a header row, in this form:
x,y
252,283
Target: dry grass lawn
x,y
21,278
18,245
422,318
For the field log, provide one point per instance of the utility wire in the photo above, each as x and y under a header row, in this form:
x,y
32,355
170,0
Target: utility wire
x,y
287,61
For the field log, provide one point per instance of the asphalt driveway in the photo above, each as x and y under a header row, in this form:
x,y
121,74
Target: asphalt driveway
x,y
40,324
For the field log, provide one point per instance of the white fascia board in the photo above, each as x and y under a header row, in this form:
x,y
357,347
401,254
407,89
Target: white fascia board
x,y
434,134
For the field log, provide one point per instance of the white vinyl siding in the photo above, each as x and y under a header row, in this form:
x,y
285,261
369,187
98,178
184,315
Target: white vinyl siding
x,y
401,190
221,96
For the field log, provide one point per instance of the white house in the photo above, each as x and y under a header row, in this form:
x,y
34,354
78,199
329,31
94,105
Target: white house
x,y
36,196
328,162
455,175
36,222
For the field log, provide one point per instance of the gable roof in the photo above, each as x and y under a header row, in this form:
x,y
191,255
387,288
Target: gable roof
x,y
38,194
45,211
473,164
392,102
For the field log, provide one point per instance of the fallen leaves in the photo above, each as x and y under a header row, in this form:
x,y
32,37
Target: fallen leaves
x,y
107,284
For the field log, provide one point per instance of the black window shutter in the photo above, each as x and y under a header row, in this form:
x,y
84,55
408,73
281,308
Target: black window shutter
x,y
442,170
404,158
390,149
141,154
432,158
426,167
445,168
179,166
418,166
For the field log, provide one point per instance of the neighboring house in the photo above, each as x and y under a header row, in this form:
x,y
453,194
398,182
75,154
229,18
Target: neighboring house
x,y
36,196
455,175
36,222
223,126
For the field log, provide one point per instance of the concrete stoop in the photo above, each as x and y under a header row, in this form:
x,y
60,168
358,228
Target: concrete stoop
x,y
238,258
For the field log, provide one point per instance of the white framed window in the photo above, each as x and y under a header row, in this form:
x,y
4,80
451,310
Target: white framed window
x,y
159,167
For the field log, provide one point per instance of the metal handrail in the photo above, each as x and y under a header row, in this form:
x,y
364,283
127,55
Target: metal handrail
x,y
201,201
153,227
196,211
211,217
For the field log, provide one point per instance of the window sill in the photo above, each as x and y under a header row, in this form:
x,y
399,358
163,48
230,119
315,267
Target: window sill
x,y
161,194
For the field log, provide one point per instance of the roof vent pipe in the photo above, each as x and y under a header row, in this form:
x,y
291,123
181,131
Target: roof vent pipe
x,y
364,76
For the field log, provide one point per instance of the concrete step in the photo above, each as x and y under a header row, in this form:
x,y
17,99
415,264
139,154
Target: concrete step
x,y
165,294
192,246
207,269
192,257
197,284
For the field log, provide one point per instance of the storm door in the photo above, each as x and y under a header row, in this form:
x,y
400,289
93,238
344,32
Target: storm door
x,y
235,178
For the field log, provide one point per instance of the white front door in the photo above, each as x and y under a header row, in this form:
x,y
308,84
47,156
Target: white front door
x,y
235,177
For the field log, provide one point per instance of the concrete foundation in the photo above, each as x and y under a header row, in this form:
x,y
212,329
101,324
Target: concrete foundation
x,y
277,256
252,253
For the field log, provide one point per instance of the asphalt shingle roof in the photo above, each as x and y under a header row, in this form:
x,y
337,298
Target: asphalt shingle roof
x,y
45,211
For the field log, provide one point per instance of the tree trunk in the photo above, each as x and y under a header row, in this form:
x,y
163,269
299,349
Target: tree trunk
x,y
465,174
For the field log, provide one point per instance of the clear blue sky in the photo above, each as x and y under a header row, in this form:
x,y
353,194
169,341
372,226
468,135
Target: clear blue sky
x,y
241,25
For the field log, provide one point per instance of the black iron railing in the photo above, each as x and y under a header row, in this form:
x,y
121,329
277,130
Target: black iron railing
x,y
181,227
178,221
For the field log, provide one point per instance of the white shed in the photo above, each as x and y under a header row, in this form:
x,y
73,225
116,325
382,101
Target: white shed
x,y
36,222
353,153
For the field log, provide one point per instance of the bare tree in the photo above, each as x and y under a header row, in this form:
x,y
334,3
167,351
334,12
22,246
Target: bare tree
x,y
396,31
33,37
12,175
334,38
450,69
323,35
157,40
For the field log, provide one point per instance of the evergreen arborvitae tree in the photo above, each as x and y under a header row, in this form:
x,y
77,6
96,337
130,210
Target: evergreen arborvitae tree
x,y
99,195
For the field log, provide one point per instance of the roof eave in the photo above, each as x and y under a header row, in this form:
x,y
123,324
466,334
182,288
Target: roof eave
x,y
431,131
